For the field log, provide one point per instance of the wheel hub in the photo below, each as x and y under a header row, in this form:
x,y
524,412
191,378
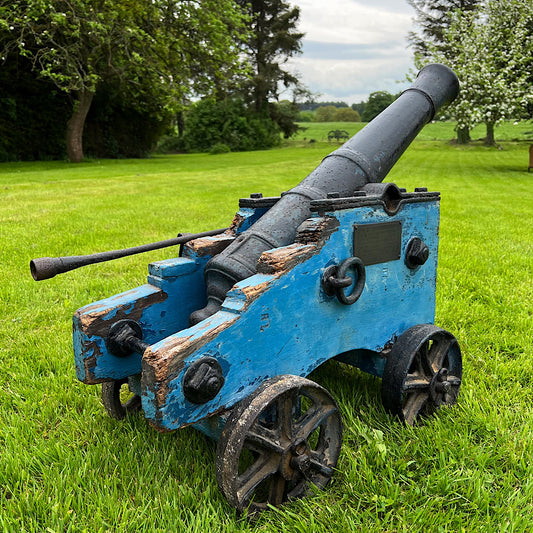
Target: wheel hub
x,y
439,385
295,459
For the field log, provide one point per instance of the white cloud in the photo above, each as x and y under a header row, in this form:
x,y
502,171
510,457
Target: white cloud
x,y
352,49
352,80
350,22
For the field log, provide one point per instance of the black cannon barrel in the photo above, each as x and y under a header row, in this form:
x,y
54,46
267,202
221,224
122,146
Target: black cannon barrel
x,y
366,158
48,267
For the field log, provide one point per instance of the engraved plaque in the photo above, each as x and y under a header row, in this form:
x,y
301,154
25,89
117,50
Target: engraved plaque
x,y
377,243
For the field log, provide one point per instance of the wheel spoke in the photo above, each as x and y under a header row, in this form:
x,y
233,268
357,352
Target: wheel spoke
x,y
276,493
426,367
260,439
263,455
412,407
285,405
261,469
314,417
415,382
439,350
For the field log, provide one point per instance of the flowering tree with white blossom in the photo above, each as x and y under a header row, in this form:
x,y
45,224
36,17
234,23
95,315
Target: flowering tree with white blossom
x,y
494,61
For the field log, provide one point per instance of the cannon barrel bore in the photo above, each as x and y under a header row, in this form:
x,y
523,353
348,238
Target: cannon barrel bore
x,y
366,158
48,267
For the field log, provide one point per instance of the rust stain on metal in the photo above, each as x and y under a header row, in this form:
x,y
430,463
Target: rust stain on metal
x,y
210,245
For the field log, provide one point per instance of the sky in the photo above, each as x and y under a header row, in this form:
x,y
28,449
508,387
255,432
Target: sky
x,y
353,47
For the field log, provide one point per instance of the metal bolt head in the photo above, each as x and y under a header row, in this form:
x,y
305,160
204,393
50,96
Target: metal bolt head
x,y
417,253
203,380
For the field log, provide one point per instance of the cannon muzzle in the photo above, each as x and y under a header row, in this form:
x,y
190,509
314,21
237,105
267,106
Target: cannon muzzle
x,y
366,158
48,267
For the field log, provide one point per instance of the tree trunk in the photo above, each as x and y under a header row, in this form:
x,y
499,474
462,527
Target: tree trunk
x,y
463,135
76,124
489,139
180,121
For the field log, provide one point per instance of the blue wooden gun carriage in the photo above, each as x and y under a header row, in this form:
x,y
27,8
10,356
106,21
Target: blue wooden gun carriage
x,y
222,337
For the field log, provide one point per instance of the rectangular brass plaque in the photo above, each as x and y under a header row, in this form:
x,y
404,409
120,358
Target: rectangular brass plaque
x,y
377,243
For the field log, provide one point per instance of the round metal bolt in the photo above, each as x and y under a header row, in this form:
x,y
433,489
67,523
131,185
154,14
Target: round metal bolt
x,y
203,380
417,253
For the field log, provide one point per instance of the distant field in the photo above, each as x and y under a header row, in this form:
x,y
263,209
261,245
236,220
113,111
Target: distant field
x,y
65,466
443,131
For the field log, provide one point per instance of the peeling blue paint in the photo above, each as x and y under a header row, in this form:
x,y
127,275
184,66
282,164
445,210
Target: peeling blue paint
x,y
394,299
268,324
175,298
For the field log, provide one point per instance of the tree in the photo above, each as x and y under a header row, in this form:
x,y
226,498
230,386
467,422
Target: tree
x,y
493,55
325,113
285,114
306,116
274,40
434,18
33,114
360,107
346,114
154,49
213,122
377,102
116,128
312,105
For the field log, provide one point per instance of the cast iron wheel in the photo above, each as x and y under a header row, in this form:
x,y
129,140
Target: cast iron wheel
x,y
118,400
423,372
277,442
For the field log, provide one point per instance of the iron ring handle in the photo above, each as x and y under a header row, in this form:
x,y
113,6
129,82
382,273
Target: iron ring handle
x,y
358,265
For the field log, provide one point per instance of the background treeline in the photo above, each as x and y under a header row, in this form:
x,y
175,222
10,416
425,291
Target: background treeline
x,y
364,111
34,115
118,79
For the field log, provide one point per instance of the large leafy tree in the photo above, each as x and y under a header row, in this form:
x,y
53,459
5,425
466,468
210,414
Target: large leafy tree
x,y
275,39
163,49
493,58
433,20
377,102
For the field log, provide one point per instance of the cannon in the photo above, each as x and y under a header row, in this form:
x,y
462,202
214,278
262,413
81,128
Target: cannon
x,y
223,337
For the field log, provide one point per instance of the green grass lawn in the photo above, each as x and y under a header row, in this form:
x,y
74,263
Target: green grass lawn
x,y
66,466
